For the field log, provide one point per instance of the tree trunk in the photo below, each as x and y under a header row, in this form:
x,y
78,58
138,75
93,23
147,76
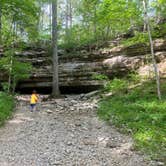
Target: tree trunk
x,y
10,74
55,86
0,24
107,32
152,50
95,24
50,17
70,14
67,22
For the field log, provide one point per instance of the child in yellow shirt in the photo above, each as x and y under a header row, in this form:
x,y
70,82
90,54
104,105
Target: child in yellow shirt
x,y
33,101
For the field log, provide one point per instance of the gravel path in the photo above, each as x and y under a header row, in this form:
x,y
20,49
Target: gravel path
x,y
64,132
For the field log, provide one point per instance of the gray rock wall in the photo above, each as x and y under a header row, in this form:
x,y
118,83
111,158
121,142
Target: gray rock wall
x,y
78,69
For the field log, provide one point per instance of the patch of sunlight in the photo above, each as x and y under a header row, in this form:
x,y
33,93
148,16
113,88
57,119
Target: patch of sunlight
x,y
17,121
164,139
102,141
144,136
20,118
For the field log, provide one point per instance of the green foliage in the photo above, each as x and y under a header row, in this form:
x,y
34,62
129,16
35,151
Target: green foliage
x,y
135,78
6,107
15,69
22,16
100,77
117,85
5,87
101,21
21,70
139,38
159,31
140,113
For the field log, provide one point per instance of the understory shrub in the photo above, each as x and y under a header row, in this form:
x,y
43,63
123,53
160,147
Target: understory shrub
x,y
6,107
139,38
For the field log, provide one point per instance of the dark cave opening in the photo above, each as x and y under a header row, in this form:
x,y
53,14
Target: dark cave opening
x,y
63,89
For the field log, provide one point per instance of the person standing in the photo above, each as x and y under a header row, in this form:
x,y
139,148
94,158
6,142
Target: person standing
x,y
33,101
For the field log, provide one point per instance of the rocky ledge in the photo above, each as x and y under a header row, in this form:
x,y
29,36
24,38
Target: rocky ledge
x,y
77,70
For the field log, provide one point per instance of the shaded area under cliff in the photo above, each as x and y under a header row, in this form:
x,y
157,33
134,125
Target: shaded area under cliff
x,y
63,89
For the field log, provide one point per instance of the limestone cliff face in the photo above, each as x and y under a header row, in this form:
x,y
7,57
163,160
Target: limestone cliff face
x,y
137,57
77,70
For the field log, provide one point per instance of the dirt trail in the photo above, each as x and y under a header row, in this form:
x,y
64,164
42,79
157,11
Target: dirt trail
x,y
64,132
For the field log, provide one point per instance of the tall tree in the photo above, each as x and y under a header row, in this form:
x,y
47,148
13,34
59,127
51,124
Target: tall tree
x,y
67,22
55,86
0,23
145,5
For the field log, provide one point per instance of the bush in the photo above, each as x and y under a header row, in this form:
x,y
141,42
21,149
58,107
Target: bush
x,y
135,78
139,38
159,31
6,107
117,85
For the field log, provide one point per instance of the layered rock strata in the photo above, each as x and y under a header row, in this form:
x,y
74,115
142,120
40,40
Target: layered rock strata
x,y
77,70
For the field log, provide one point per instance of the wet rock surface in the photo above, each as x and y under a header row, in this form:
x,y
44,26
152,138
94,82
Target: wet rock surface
x,y
64,132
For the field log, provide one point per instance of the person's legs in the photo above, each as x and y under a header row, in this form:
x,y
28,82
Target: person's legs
x,y
32,107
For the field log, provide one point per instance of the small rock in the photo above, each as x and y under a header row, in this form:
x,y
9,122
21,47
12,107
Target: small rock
x,y
82,95
78,124
98,127
49,111
89,142
69,143
160,163
67,151
57,163
111,144
72,109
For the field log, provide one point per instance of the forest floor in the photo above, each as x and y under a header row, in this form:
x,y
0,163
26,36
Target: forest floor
x,y
65,132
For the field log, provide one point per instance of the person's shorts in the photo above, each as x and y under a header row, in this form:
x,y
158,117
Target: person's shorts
x,y
32,105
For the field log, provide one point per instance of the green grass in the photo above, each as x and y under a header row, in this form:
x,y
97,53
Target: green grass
x,y
139,113
139,38
158,31
6,107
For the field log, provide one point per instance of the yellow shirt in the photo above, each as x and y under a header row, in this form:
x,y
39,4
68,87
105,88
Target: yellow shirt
x,y
34,99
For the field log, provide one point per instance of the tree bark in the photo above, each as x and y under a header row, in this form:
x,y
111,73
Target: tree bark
x,y
67,35
50,17
55,86
0,24
152,50
70,13
95,24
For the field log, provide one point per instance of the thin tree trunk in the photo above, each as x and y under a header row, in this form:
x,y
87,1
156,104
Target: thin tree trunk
x,y
107,32
152,50
70,14
95,25
39,17
10,74
67,22
0,24
14,84
55,88
11,58
50,17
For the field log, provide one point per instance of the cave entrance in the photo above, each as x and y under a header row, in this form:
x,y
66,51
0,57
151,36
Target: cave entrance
x,y
63,89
